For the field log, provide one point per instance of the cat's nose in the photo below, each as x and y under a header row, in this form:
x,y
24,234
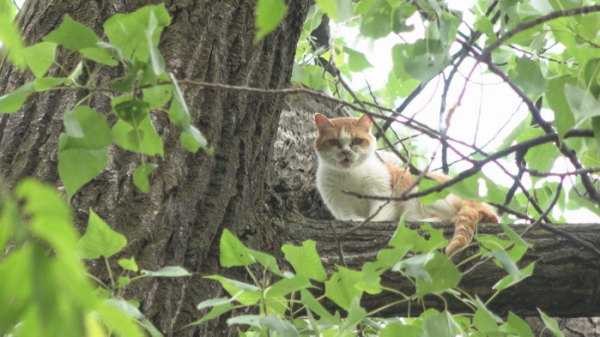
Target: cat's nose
x,y
346,152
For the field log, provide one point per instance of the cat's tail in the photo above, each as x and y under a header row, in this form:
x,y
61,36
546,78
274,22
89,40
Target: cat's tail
x,y
469,213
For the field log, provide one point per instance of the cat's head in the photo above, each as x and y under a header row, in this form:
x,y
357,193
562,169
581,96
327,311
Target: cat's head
x,y
344,143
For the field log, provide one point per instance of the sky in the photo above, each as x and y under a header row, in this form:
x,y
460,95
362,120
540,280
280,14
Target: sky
x,y
485,94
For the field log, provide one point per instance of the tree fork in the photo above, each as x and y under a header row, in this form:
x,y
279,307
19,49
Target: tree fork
x,y
565,280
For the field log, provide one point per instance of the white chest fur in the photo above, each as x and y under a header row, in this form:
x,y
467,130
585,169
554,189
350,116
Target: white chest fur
x,y
371,178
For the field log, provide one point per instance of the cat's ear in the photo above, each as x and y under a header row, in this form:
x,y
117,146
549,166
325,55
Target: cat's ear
x,y
322,122
365,121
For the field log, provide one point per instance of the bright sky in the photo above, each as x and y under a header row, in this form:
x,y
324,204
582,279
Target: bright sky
x,y
485,94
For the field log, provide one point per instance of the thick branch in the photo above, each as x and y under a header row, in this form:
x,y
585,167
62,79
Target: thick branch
x,y
564,283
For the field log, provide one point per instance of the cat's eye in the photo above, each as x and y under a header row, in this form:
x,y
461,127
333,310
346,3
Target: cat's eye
x,y
334,142
357,141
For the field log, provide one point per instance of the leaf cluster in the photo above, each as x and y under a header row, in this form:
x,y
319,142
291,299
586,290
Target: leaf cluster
x,y
46,290
286,305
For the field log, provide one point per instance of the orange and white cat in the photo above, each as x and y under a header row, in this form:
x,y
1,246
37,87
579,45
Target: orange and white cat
x,y
347,161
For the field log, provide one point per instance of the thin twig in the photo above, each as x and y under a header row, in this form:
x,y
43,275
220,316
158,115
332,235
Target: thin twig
x,y
530,24
339,245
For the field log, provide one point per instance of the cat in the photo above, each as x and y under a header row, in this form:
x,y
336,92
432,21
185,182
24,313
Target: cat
x,y
345,149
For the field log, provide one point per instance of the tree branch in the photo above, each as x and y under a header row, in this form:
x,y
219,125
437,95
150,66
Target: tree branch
x,y
527,25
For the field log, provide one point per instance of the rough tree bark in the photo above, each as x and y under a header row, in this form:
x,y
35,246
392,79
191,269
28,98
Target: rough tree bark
x,y
193,197
258,184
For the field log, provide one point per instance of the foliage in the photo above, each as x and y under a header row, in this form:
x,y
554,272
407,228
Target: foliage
x,y
46,290
144,86
285,305
545,50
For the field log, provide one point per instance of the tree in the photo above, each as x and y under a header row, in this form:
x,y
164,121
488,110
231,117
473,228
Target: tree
x,y
194,197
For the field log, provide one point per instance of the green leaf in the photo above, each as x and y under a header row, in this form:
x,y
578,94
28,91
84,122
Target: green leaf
x,y
157,95
156,59
484,25
506,262
529,77
355,315
75,73
189,143
128,264
170,271
72,35
514,237
94,130
133,312
484,319
582,102
431,198
440,325
269,14
519,325
40,57
140,176
12,102
266,261
142,139
99,239
357,61
311,303
123,281
180,115
428,59
41,84
128,31
250,293
100,55
551,324
415,267
493,243
233,251
130,109
596,128
555,95
341,287
10,35
305,260
284,328
252,320
377,21
444,275
313,18
337,10
216,311
72,127
509,280
192,140
9,222
515,133
288,285
386,259
76,167
540,157
215,302
406,237
400,329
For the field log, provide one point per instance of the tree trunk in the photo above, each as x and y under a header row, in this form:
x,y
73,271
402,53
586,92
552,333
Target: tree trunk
x,y
192,197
